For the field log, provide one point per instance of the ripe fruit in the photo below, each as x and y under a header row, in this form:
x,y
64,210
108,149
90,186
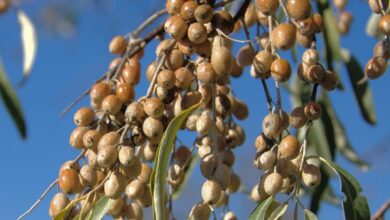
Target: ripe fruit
x,y
111,104
298,9
107,156
131,72
176,27
57,204
266,160
76,138
222,175
99,91
262,64
68,181
245,56
175,59
173,6
125,92
166,79
297,117
197,33
261,143
375,67
272,126
310,57
289,147
273,183
313,110
115,185
126,155
188,10
230,216
152,128
203,13
205,73
311,175
280,70
315,73
118,45
110,138
154,107
134,211
211,192
221,61
330,80
135,189
200,212
267,7
88,176
183,77
84,116
382,49
135,113
283,36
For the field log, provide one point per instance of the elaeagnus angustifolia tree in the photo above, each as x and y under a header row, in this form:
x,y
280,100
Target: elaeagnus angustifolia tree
x,y
133,157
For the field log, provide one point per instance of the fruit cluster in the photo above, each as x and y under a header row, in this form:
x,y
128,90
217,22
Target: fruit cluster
x,y
119,136
377,65
278,152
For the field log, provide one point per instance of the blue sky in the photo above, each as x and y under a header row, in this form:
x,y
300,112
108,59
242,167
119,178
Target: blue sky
x,y
67,66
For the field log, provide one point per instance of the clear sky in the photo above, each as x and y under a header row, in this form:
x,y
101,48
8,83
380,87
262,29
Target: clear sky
x,y
67,66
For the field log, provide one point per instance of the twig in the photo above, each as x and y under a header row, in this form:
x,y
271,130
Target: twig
x,y
147,22
380,213
314,92
163,57
222,3
241,11
213,119
267,95
80,97
48,190
220,32
39,200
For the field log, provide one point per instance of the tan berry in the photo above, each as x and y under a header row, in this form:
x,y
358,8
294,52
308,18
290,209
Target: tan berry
x,y
91,139
297,117
166,79
311,175
111,104
272,126
188,10
273,183
126,155
288,147
262,64
284,36
152,128
68,181
267,7
76,138
266,160
107,156
313,110
125,92
135,113
330,80
183,77
211,192
57,204
99,91
118,45
197,33
88,175
245,56
298,9
221,61
175,59
280,70
203,13
115,185
375,67
173,6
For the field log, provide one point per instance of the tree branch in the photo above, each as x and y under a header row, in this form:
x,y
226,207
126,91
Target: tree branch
x,y
380,213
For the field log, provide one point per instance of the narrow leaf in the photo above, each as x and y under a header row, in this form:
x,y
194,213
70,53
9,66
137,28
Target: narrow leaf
x,y
331,34
317,138
63,214
158,177
29,41
362,91
176,194
260,213
101,207
355,205
11,102
279,212
309,215
341,138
